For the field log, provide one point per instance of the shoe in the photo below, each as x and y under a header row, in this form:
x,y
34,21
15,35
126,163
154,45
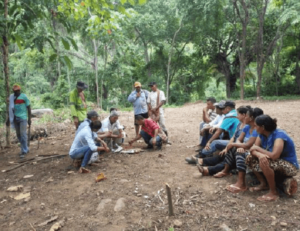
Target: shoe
x,y
189,160
119,149
158,148
23,155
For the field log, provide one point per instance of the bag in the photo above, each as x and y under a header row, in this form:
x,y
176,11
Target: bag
x,y
155,115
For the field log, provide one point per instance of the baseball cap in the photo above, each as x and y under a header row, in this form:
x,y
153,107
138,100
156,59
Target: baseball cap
x,y
137,84
220,104
151,84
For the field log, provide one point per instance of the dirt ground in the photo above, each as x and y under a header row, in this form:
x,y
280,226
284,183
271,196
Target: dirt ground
x,y
200,203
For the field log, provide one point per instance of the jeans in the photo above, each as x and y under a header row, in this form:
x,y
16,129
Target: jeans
x,y
214,146
84,152
216,164
21,130
148,139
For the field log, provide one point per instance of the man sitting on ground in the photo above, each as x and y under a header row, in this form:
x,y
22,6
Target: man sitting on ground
x,y
208,116
84,145
112,131
149,132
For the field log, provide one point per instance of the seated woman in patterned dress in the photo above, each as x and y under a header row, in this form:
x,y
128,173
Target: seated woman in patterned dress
x,y
273,157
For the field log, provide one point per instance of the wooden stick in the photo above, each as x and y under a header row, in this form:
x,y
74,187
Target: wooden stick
x,y
32,227
17,166
168,189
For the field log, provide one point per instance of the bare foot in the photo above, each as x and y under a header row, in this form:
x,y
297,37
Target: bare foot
x,y
200,161
268,197
84,170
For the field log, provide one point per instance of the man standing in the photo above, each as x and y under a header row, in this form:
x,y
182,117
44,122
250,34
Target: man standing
x,y
149,133
19,116
155,101
78,103
112,131
139,100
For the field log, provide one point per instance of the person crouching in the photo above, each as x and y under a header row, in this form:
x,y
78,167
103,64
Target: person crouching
x,y
84,145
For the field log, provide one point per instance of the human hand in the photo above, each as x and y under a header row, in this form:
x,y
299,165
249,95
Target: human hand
x,y
138,94
240,150
223,152
154,141
211,130
130,142
207,146
263,160
254,148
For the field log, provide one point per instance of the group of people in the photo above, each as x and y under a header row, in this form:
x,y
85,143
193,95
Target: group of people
x,y
245,140
94,137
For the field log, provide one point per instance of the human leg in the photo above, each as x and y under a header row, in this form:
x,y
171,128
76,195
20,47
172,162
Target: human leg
x,y
146,138
201,126
21,130
158,141
212,149
162,123
87,156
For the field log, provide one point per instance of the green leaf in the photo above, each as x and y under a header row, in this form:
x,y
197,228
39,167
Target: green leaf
x,y
132,2
49,40
123,2
74,44
142,2
52,57
65,43
19,41
68,61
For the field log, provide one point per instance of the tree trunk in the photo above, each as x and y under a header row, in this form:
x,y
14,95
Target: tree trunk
x,y
96,70
4,46
147,59
54,24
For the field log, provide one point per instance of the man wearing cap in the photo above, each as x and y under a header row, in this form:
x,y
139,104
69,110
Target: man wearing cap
x,y
112,131
78,103
155,102
19,116
91,117
139,100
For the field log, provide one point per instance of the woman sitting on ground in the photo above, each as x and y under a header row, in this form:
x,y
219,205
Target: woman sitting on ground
x,y
274,156
216,163
84,145
236,158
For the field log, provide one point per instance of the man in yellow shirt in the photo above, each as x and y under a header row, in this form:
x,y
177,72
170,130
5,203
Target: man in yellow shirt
x,y
78,103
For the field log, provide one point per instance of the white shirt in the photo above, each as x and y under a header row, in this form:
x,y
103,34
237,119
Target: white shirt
x,y
217,121
152,99
107,126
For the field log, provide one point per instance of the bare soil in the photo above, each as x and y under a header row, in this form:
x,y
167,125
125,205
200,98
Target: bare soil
x,y
200,203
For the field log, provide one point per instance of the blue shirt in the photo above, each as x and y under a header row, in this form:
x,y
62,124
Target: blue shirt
x,y
230,124
288,152
139,103
84,138
246,130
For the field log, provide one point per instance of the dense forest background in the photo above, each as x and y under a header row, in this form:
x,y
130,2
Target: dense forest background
x,y
191,48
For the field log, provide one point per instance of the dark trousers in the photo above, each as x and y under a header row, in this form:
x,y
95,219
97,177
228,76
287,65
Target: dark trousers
x,y
215,164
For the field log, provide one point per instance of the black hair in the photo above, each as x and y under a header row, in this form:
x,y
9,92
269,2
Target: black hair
x,y
243,109
269,124
113,109
96,125
211,99
255,112
139,117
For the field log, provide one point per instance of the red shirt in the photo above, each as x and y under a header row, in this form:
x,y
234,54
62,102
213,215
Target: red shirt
x,y
149,127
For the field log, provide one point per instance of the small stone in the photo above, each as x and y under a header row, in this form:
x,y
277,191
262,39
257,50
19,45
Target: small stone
x,y
119,161
124,180
119,205
283,224
28,210
177,223
197,175
102,204
12,223
138,195
224,227
42,206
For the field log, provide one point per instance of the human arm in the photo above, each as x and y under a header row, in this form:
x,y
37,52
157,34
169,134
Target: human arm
x,y
154,137
214,137
225,150
159,105
259,152
205,115
132,97
139,136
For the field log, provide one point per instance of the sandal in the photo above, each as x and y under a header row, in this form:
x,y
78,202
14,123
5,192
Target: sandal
x,y
234,189
221,174
203,170
265,198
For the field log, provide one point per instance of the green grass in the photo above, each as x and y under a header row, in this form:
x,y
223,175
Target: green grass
x,y
274,98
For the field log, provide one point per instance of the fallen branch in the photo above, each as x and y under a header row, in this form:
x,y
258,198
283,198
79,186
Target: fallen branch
x,y
13,168
32,227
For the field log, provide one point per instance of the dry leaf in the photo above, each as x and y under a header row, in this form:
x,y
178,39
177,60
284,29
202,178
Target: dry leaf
x,y
100,177
57,226
27,176
15,188
22,196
